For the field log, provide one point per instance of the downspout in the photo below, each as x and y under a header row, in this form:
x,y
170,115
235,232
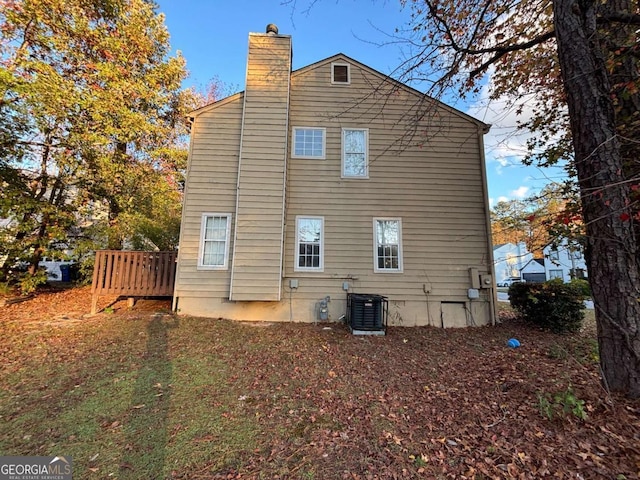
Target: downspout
x,y
284,183
176,298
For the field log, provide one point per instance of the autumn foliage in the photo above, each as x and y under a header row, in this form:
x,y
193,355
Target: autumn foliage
x,y
92,145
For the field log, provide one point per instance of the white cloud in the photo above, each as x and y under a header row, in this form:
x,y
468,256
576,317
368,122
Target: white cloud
x,y
503,199
520,192
504,144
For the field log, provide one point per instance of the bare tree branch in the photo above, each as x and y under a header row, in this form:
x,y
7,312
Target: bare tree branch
x,y
620,17
511,48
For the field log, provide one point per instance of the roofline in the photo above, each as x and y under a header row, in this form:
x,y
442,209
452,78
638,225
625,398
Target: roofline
x,y
212,106
536,260
485,126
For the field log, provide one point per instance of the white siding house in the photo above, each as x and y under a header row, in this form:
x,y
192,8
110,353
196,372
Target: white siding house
x,y
534,271
328,180
509,259
565,261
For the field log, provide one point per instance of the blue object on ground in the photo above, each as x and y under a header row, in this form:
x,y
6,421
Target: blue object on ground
x,y
513,343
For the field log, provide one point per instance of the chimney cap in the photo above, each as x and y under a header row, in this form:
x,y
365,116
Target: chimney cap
x,y
272,28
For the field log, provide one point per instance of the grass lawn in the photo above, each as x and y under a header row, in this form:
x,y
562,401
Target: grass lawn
x,y
143,394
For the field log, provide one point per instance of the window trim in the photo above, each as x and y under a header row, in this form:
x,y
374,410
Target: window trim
x,y
312,157
203,223
340,64
296,267
556,273
400,268
366,154
554,255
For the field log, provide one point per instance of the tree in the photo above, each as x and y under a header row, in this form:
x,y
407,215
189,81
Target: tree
x,y
612,248
509,222
91,120
597,62
544,218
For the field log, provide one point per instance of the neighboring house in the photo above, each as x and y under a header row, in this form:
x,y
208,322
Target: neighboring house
x,y
53,268
565,261
60,252
328,180
51,265
533,271
509,259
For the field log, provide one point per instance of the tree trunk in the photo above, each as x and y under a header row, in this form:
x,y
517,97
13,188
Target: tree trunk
x,y
115,240
611,252
36,256
114,234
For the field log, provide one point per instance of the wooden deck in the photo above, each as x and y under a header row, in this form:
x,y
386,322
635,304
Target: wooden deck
x,y
131,274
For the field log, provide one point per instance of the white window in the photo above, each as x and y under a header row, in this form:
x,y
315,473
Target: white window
x,y
308,142
387,248
553,255
355,145
309,244
555,274
576,254
579,273
214,241
340,74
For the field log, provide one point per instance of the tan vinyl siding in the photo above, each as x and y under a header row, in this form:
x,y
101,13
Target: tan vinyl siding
x,y
428,174
257,264
211,187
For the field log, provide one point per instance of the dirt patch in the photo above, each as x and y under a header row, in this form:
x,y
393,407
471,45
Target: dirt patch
x,y
64,304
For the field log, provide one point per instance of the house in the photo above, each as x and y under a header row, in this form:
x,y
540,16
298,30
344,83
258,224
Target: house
x,y
565,260
330,180
509,259
54,266
533,271
59,267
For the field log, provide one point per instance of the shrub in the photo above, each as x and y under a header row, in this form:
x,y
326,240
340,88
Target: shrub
x,y
5,288
29,283
85,256
582,285
552,305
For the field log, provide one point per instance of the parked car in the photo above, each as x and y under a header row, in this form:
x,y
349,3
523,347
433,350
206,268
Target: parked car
x,y
509,281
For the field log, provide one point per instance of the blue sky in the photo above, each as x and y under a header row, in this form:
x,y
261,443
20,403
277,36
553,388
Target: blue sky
x,y
212,36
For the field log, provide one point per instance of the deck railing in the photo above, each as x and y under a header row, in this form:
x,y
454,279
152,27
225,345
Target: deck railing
x,y
129,273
